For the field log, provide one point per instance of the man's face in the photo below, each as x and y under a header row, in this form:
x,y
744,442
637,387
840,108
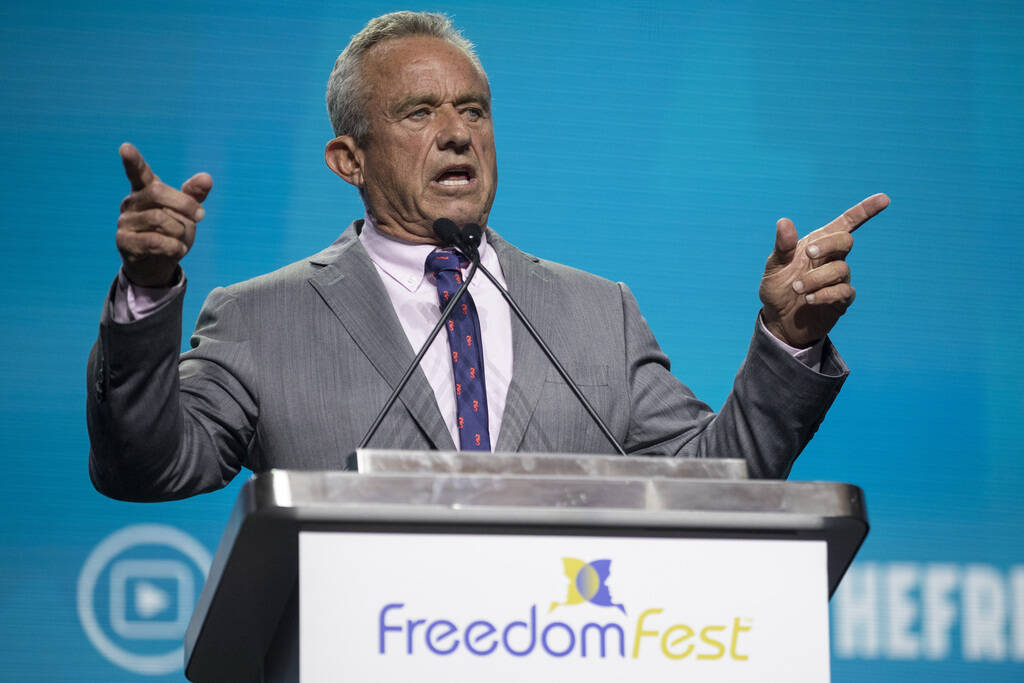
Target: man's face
x,y
430,149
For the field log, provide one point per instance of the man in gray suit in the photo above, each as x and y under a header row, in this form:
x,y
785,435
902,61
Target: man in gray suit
x,y
288,370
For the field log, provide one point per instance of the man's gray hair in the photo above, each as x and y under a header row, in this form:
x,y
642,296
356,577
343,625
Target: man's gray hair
x,y
346,91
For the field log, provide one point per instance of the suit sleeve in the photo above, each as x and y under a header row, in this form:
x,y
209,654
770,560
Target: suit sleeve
x,y
160,427
775,407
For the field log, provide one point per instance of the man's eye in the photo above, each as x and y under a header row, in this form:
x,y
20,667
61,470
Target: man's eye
x,y
420,113
474,113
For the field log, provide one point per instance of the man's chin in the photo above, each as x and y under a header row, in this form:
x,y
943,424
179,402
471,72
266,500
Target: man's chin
x,y
462,215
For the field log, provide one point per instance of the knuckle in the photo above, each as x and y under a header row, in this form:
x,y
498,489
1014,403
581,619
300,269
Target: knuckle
x,y
178,226
149,241
164,248
154,192
161,194
140,241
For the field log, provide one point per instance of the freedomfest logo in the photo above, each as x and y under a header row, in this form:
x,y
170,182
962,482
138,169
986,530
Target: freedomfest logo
x,y
401,633
586,583
136,592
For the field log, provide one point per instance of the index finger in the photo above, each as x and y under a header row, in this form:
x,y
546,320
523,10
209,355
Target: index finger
x,y
859,214
135,167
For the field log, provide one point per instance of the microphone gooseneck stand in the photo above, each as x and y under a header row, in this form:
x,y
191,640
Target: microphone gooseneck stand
x,y
467,240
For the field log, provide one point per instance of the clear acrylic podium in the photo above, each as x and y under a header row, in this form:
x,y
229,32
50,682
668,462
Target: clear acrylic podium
x,y
246,623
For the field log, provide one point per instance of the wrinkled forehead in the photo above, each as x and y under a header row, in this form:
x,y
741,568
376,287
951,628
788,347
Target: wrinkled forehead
x,y
398,66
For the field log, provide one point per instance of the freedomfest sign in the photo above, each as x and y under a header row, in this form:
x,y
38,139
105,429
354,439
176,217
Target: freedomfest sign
x,y
454,607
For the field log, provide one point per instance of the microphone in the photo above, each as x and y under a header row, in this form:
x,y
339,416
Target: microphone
x,y
468,240
443,231
471,235
447,232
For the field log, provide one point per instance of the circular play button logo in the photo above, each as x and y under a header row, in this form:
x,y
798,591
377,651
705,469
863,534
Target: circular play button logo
x,y
135,596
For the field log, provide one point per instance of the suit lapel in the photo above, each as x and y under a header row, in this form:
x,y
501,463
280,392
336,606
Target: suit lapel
x,y
351,287
529,285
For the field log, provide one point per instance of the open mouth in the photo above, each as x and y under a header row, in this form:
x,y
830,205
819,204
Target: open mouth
x,y
455,176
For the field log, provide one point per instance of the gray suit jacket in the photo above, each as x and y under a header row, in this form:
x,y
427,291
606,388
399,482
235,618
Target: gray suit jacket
x,y
288,370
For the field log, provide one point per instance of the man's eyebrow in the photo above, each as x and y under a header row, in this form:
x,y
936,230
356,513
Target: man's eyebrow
x,y
475,98
433,100
413,100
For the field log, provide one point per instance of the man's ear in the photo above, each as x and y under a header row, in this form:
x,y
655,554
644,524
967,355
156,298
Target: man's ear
x,y
344,156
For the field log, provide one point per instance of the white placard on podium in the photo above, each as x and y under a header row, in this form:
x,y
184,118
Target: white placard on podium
x,y
463,607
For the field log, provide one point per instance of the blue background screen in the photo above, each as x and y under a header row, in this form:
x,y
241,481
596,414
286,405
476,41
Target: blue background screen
x,y
680,130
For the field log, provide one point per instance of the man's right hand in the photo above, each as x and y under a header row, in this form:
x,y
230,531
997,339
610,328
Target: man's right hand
x,y
158,223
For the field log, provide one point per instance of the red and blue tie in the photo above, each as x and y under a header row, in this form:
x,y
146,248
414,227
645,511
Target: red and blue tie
x,y
463,327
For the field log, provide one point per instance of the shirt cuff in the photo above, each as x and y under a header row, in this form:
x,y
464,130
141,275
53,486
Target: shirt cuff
x,y
132,302
811,356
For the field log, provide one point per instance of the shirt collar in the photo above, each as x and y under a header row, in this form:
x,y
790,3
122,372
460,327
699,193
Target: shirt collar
x,y
402,261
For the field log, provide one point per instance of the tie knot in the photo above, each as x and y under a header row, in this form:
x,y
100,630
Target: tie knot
x,y
439,261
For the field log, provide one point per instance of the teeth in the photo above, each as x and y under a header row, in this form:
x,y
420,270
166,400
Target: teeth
x,y
463,181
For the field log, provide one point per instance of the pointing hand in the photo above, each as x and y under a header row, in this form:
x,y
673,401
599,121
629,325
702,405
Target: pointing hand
x,y
158,223
806,284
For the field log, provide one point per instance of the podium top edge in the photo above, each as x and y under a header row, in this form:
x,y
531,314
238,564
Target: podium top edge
x,y
334,496
543,464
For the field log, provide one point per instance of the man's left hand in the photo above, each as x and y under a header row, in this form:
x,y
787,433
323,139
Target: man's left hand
x,y
806,284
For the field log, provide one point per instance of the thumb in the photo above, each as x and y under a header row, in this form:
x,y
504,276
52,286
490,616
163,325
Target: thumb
x,y
785,242
198,186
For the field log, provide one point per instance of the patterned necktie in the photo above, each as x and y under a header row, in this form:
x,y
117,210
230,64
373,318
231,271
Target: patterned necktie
x,y
463,328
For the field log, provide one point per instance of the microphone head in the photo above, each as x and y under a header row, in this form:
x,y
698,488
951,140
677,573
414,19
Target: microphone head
x,y
471,234
447,231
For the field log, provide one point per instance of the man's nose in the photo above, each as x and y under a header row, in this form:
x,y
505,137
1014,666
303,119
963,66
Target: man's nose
x,y
453,132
